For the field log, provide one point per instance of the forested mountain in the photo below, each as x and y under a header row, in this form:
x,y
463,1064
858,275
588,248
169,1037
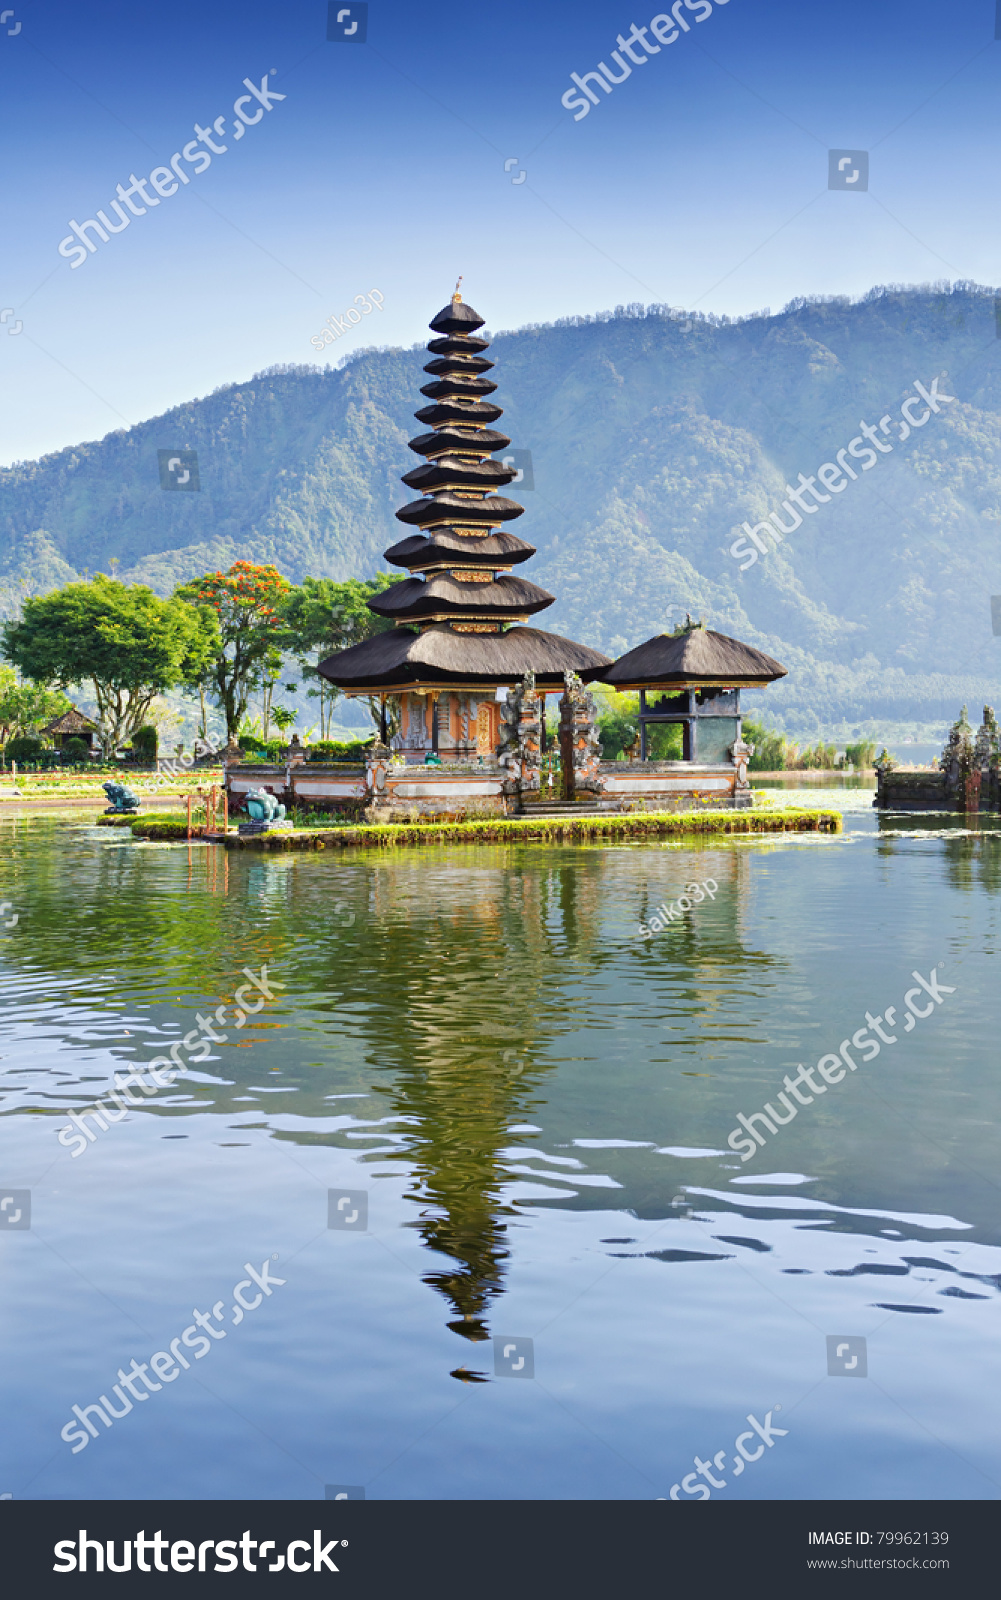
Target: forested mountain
x,y
653,437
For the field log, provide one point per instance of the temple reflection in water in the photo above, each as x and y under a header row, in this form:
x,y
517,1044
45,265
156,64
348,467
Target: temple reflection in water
x,y
477,1027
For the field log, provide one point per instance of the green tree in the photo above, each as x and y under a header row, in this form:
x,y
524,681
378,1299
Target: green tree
x,y
25,708
772,753
819,758
248,604
618,720
283,718
861,755
322,617
22,749
144,743
122,640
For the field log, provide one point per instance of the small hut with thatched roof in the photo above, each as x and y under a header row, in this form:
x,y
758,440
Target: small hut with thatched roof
x,y
71,725
695,676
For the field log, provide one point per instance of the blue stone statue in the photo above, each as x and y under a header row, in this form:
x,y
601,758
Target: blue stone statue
x,y
123,802
263,807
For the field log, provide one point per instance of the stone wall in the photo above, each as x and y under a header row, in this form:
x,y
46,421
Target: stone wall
x,y
388,790
384,791
966,776
669,785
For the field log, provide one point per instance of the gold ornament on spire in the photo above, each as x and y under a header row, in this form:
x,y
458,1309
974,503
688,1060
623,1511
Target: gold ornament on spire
x,y
456,296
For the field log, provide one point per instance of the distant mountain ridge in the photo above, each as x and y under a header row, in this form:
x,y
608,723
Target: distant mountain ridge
x,y
654,436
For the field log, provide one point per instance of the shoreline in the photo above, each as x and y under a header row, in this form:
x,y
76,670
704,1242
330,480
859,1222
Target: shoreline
x,y
12,804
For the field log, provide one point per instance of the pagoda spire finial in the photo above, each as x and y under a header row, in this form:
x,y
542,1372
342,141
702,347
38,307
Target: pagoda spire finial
x,y
456,296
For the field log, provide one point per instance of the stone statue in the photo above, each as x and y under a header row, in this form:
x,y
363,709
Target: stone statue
x,y
740,754
123,802
579,737
956,760
263,807
986,746
519,752
987,760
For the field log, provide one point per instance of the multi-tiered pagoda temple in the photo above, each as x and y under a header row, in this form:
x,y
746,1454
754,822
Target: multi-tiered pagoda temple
x,y
460,617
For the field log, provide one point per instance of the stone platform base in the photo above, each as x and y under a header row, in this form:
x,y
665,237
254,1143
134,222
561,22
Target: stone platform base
x,y
247,830
463,790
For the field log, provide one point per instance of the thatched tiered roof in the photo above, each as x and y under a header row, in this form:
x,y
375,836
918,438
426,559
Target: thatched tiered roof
x,y
441,656
452,612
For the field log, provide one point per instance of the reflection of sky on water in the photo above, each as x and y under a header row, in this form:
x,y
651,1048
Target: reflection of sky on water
x,y
535,1102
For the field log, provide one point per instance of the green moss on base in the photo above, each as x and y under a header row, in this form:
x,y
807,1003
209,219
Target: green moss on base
x,y
166,825
592,829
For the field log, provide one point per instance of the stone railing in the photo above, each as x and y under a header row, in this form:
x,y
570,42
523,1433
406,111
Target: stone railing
x,y
670,784
324,786
385,789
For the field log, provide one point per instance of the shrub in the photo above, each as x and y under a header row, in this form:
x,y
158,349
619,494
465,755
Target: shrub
x,y
144,743
772,753
616,733
862,754
338,750
347,814
75,750
22,749
664,741
821,758
257,753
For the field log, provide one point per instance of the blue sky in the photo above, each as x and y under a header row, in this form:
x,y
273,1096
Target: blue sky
x,y
700,181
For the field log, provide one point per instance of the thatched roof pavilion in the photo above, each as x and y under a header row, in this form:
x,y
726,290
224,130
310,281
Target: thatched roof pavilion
x,y
71,725
699,674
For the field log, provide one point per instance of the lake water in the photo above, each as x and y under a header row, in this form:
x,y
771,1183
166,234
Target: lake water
x,y
568,1284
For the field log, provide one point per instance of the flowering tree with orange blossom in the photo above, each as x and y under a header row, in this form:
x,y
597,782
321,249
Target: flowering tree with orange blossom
x,y
248,603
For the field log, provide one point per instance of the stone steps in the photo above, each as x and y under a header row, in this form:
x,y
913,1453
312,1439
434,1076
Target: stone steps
x,y
561,808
